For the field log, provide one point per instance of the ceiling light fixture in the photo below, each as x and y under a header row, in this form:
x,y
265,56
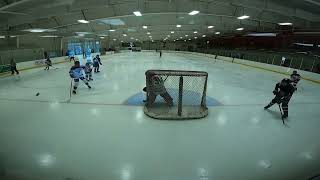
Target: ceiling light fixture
x,y
148,33
195,32
194,12
83,21
210,27
125,35
39,30
112,30
217,33
240,29
172,32
285,24
145,27
49,36
262,34
178,26
137,13
243,17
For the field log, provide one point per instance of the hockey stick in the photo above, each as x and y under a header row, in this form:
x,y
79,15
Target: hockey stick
x,y
70,93
166,78
281,112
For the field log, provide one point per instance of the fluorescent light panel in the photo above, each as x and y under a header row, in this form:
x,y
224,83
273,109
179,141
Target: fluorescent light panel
x,y
217,33
194,12
243,17
137,13
262,34
210,27
178,26
49,36
285,24
240,29
83,21
112,30
145,27
304,44
2,37
39,30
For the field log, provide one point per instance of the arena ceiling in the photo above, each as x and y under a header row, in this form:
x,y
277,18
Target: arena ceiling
x,y
161,17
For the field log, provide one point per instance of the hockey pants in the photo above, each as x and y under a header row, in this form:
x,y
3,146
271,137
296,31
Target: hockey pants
x,y
76,82
166,96
283,101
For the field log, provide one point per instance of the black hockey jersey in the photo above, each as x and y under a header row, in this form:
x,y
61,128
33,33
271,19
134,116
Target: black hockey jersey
x,y
284,90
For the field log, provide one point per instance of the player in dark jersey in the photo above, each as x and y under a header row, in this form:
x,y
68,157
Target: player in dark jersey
x,y
295,78
283,92
157,87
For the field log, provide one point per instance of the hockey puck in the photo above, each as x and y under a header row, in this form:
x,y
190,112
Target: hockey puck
x,y
37,94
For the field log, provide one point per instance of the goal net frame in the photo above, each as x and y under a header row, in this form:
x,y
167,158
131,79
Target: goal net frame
x,y
197,111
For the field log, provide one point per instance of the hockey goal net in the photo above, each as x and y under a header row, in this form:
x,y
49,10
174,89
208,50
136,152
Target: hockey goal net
x,y
176,94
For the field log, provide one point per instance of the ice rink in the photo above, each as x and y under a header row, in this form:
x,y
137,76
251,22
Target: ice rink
x,y
95,135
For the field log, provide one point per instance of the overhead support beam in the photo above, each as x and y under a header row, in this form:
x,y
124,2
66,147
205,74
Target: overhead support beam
x,y
16,3
11,12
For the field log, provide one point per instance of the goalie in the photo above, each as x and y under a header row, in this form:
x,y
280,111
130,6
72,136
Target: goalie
x,y
283,92
156,87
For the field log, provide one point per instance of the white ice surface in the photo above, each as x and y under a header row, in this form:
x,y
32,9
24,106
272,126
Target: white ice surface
x,y
97,137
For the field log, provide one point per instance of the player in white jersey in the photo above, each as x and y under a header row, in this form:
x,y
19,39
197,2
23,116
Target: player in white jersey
x,y
76,74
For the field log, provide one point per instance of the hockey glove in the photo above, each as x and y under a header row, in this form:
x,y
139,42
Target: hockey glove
x,y
275,92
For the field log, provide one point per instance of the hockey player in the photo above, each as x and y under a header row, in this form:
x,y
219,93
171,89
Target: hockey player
x,y
97,63
13,67
48,63
88,71
157,88
160,53
283,92
295,78
72,58
76,74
